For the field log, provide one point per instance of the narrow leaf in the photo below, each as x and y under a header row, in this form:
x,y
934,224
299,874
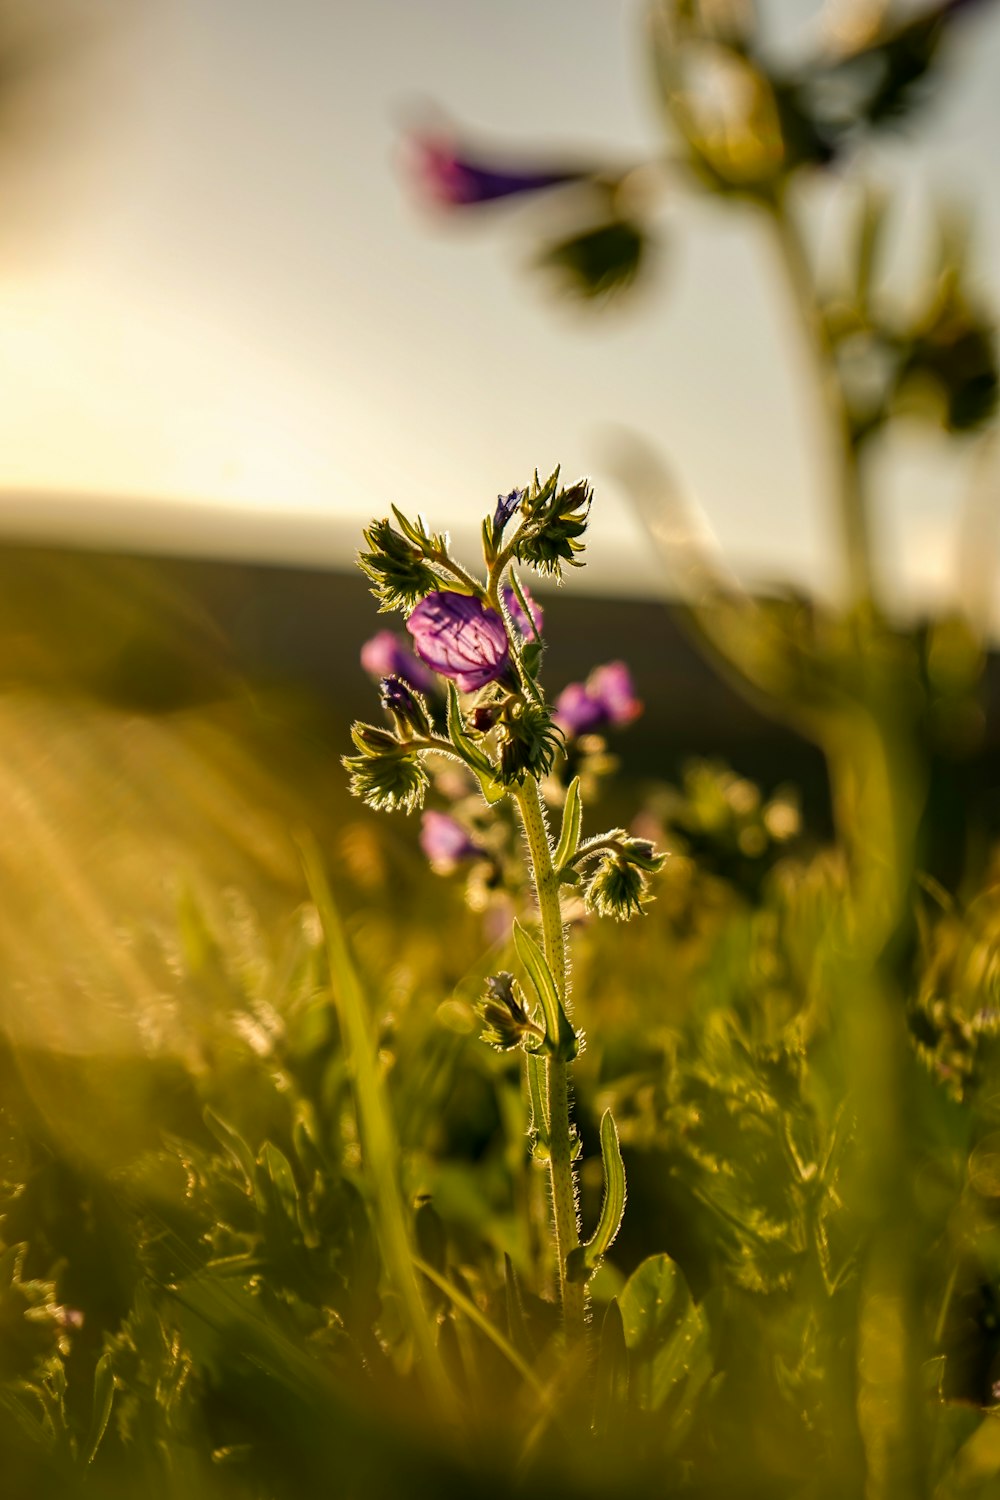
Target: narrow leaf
x,y
104,1396
613,1207
471,753
517,1328
569,834
231,1142
377,1127
535,1065
611,1377
528,612
542,982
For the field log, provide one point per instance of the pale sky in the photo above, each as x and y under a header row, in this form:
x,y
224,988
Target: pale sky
x,y
229,316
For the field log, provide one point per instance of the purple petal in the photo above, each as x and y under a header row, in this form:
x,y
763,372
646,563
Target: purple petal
x,y
445,842
387,655
576,712
461,638
607,697
612,686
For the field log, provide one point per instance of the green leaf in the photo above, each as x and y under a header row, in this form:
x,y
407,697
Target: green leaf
x,y
539,1127
572,821
597,262
517,1328
277,1197
379,1142
559,1034
611,1377
232,1143
529,615
104,1396
667,1338
613,1206
474,758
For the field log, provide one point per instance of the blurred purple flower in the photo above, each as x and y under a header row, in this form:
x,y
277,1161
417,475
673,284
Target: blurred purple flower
x,y
445,842
607,697
518,615
452,179
387,655
460,638
506,506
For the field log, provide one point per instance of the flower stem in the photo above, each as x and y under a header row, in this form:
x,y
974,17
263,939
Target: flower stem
x,y
561,1172
852,515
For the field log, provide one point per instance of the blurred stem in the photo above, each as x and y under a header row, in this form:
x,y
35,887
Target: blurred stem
x,y
561,1173
843,458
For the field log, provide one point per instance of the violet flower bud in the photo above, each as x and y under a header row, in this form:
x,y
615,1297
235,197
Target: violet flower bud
x,y
453,180
506,506
461,638
387,655
407,708
446,842
518,615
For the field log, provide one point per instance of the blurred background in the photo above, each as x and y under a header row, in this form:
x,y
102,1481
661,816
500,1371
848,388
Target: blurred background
x,y
229,325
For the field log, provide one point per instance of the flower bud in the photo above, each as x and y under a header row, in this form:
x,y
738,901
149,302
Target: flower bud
x,y
407,707
396,565
555,519
616,889
506,1023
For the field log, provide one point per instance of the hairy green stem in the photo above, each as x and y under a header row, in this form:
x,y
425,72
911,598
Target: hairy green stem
x,y
852,516
876,802
562,1176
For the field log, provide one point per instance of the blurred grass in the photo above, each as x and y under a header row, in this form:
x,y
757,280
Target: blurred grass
x,y
193,1086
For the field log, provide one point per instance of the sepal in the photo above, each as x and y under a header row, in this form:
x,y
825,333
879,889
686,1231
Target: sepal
x,y
396,564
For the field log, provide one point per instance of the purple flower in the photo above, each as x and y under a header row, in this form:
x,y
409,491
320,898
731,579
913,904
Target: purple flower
x,y
607,697
451,179
387,655
506,506
460,638
518,615
445,842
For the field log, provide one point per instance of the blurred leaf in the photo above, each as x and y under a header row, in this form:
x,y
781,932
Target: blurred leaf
x,y
104,1395
611,1378
667,1339
599,263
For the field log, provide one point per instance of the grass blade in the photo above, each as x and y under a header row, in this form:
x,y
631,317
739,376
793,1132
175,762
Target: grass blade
x,y
378,1134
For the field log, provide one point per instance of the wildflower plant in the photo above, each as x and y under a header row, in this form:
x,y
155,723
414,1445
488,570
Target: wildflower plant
x,y
481,637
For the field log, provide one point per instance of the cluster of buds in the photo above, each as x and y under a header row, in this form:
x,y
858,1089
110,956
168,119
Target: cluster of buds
x,y
553,521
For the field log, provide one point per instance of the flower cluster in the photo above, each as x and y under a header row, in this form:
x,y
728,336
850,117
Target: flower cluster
x,y
462,686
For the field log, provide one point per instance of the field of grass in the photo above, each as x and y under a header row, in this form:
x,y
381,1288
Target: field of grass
x,y
271,1224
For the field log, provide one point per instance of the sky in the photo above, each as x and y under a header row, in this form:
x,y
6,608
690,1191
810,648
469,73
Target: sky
x,y
227,325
